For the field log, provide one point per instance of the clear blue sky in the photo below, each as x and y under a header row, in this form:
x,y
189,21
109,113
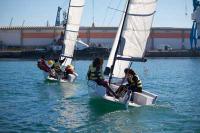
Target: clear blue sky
x,y
170,13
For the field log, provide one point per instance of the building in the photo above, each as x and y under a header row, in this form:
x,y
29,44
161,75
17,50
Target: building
x,y
159,39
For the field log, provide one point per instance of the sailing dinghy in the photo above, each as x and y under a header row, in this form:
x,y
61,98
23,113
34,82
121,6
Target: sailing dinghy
x,y
129,46
71,29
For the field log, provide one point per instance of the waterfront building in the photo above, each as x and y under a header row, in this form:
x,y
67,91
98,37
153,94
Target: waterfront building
x,y
161,38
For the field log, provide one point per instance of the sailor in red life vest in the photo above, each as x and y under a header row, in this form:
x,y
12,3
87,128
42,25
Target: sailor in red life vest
x,y
42,64
69,70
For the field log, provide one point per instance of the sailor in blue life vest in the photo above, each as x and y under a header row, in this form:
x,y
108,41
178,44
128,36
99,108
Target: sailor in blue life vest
x,y
95,73
134,83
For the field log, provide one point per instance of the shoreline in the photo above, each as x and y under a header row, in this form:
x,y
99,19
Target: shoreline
x,y
92,53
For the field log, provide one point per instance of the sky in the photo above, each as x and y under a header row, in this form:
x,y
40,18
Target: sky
x,y
169,13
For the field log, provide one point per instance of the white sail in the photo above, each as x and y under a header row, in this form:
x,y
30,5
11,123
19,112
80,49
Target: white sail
x,y
71,30
114,47
134,35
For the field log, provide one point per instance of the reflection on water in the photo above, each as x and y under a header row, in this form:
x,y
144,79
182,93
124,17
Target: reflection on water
x,y
100,107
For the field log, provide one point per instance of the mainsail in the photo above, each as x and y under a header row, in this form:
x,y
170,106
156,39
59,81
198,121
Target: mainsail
x,y
75,10
132,35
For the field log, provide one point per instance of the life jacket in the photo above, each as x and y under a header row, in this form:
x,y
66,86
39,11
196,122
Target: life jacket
x,y
43,66
69,71
135,81
56,66
94,73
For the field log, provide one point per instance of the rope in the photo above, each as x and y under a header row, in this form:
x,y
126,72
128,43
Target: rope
x,y
64,4
106,12
186,8
112,18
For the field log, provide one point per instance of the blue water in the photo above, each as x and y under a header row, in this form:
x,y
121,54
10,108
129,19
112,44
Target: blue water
x,y
29,104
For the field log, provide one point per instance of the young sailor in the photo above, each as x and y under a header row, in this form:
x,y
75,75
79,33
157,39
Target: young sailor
x,y
57,67
134,83
95,73
42,64
69,70
52,72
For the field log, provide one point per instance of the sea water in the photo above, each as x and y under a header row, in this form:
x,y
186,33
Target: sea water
x,y
30,104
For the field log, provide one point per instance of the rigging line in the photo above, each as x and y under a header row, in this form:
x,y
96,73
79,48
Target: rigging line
x,y
186,8
112,18
63,4
106,13
116,9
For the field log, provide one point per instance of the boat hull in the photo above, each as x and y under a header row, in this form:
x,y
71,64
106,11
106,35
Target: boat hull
x,y
71,78
144,98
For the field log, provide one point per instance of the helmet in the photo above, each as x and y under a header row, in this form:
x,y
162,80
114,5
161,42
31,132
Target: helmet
x,y
50,63
70,67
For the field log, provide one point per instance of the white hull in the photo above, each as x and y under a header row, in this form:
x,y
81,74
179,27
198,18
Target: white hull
x,y
71,78
144,98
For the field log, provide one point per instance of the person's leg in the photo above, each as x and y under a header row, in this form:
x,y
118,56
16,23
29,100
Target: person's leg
x,y
119,90
132,90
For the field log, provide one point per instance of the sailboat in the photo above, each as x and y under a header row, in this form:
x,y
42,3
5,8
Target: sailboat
x,y
129,46
71,29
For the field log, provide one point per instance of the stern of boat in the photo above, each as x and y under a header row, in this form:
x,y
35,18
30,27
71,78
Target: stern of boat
x,y
144,98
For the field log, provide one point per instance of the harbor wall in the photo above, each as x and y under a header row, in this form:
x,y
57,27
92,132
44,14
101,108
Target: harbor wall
x,y
159,39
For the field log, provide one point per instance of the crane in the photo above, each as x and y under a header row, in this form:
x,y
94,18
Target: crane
x,y
57,23
195,32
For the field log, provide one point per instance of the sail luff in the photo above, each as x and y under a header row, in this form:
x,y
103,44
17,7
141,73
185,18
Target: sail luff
x,y
121,30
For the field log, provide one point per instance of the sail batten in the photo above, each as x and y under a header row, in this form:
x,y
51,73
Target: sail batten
x,y
130,45
76,6
144,15
131,59
71,30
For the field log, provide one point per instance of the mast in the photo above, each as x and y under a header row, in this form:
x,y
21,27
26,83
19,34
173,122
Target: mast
x,y
57,23
67,18
112,67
